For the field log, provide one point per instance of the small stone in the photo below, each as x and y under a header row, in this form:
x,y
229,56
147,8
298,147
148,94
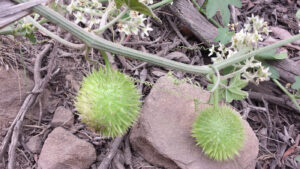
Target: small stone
x,y
163,133
63,150
34,144
62,117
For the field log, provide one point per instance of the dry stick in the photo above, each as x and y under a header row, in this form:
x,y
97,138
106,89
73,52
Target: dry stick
x,y
106,161
127,153
29,101
116,161
13,145
178,33
26,104
41,83
273,99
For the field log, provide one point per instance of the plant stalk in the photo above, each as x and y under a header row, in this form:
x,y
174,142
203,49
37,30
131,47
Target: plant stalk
x,y
292,97
161,3
53,36
102,44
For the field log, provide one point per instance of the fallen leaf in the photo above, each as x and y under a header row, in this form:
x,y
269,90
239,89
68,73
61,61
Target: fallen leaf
x,y
271,40
291,150
283,34
178,56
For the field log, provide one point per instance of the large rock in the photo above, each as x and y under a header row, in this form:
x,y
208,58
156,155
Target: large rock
x,y
63,150
162,135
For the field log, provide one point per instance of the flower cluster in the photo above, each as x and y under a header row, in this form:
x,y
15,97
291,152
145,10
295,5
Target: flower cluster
x,y
90,13
248,37
134,24
86,12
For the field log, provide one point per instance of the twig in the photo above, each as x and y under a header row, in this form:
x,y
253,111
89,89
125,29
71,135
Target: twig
x,y
292,97
13,146
127,153
275,100
106,161
233,14
26,104
117,161
178,33
14,129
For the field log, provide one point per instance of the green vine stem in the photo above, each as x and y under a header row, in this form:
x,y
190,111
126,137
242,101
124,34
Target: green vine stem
x,y
292,97
53,36
107,64
161,3
96,42
216,94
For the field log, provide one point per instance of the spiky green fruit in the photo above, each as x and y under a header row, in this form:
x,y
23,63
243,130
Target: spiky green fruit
x,y
220,132
108,102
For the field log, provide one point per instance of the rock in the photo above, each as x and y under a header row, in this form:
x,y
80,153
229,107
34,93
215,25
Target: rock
x,y
35,144
14,87
62,117
162,135
63,150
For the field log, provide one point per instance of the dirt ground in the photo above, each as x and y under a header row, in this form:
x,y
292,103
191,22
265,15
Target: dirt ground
x,y
276,125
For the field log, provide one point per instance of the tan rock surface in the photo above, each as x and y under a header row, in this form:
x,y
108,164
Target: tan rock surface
x,y
63,150
62,117
14,87
162,135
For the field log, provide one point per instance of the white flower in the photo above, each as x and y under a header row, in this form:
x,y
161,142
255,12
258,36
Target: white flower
x,y
231,53
71,7
133,14
93,21
211,50
96,4
145,30
139,20
134,30
79,17
123,28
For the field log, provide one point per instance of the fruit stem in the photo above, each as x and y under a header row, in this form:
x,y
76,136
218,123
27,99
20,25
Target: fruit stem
x,y
216,93
107,64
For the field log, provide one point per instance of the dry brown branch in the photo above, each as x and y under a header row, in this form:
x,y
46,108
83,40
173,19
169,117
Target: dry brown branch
x,y
114,147
14,130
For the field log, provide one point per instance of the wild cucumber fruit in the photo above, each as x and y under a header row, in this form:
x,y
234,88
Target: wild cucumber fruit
x,y
219,131
108,102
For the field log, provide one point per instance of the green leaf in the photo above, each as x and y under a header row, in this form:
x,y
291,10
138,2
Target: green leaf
x,y
296,85
119,3
31,37
272,70
138,6
233,91
214,5
227,70
271,55
298,158
224,36
298,14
